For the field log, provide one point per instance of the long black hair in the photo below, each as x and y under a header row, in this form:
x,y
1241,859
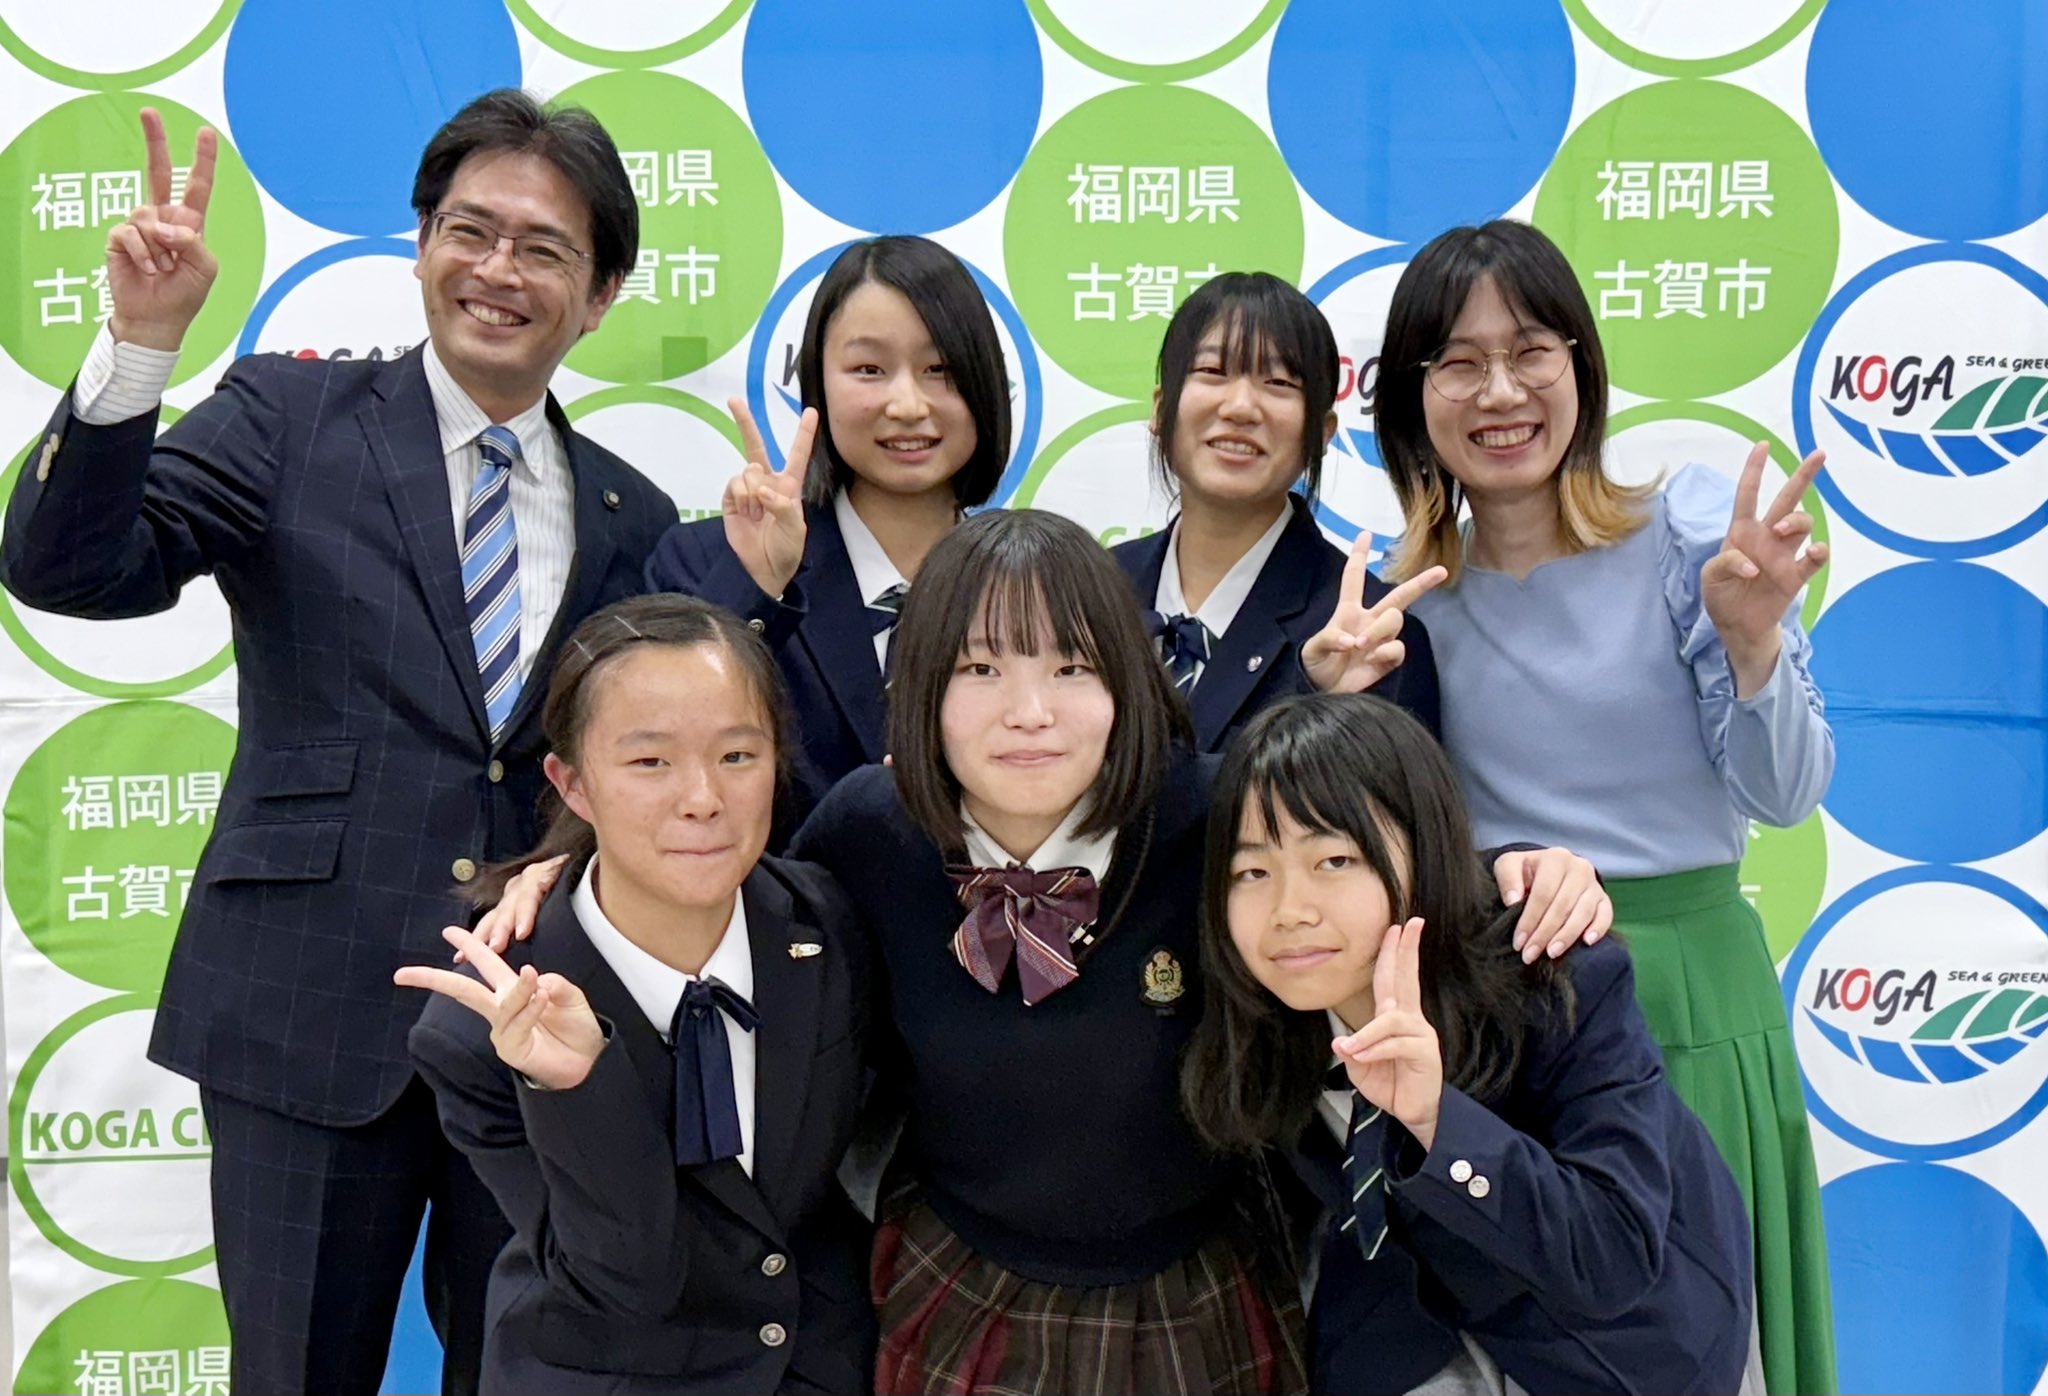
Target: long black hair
x,y
1359,768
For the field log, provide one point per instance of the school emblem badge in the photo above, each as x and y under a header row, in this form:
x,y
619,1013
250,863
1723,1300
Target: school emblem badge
x,y
1164,981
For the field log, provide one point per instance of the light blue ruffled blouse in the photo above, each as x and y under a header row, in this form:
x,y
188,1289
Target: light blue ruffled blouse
x,y
1591,704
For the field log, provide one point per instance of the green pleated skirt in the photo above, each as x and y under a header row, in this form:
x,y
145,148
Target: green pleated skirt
x,y
1706,984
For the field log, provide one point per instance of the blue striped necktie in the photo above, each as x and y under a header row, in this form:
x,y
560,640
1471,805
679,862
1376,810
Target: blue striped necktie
x,y
490,575
1365,1176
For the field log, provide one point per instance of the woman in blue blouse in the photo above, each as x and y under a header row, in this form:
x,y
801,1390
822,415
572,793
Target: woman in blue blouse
x,y
1623,671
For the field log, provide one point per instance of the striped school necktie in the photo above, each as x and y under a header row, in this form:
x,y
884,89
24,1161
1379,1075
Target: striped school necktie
x,y
1184,645
882,615
1365,1176
490,575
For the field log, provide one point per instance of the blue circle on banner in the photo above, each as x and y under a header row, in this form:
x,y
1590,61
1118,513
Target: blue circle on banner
x,y
1405,117
901,125
1809,363
332,101
1939,747
1361,445
1940,1283
1816,935
1005,312
276,291
1931,117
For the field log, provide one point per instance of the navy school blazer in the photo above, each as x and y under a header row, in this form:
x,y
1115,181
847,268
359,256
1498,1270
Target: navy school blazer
x,y
1583,1229
1257,662
628,1273
315,493
819,632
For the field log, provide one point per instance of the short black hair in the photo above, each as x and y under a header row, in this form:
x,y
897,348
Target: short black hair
x,y
1019,573
1263,320
942,292
570,139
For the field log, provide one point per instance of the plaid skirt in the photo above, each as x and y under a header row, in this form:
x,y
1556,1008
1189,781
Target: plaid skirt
x,y
955,1323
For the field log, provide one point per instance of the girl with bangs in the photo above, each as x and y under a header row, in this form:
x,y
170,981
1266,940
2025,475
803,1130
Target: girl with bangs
x,y
1506,1194
1028,869
1050,1222
906,423
1624,670
1242,579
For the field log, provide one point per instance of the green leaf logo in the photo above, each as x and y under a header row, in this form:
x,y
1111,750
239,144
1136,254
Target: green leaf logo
x,y
1979,1031
1986,429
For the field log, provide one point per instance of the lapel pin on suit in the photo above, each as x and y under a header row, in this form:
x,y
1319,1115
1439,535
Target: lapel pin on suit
x,y
611,499
1251,666
804,949
49,454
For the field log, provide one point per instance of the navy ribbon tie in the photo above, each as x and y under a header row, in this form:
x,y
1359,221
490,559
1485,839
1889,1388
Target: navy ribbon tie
x,y
707,1106
1183,644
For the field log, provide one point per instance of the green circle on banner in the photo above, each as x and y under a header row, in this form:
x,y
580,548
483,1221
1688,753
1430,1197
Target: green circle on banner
x,y
1786,459
1074,435
104,823
1666,66
710,228
1783,874
11,622
1127,204
116,82
18,1163
76,171
139,1335
1702,224
657,396
1132,71
702,37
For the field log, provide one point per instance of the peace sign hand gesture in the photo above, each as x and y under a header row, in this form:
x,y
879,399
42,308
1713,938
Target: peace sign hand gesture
x,y
1361,645
1394,1061
764,508
1749,585
158,266
541,1024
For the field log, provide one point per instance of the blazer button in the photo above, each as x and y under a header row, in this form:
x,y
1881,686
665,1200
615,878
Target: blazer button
x,y
464,869
1460,1171
773,1265
774,1335
496,771
1479,1187
756,626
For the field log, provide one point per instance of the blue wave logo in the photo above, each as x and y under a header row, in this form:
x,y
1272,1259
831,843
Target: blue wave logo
x,y
1988,428
1979,1032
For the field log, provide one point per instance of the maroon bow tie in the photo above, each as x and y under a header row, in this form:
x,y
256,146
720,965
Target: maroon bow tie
x,y
1031,914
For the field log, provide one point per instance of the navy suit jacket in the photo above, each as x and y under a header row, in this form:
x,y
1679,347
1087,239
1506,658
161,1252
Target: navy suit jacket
x,y
1606,1250
1257,661
629,1273
819,632
316,495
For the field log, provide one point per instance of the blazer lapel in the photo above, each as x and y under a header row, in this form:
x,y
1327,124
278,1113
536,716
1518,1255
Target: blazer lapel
x,y
405,436
595,546
559,944
837,631
1257,636
786,991
1141,562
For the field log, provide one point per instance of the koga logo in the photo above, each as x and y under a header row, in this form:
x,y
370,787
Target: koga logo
x,y
1990,426
70,1136
1921,1056
1977,1032
1358,382
374,354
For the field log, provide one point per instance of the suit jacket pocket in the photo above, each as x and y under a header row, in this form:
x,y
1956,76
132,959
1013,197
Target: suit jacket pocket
x,y
297,850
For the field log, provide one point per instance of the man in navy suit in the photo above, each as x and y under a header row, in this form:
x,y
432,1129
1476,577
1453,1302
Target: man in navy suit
x,y
400,544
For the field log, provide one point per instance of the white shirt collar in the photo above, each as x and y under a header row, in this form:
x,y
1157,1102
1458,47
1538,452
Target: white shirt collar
x,y
1226,598
656,987
461,420
1063,847
873,573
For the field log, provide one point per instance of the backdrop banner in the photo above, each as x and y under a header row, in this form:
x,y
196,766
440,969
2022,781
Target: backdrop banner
x,y
1808,223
